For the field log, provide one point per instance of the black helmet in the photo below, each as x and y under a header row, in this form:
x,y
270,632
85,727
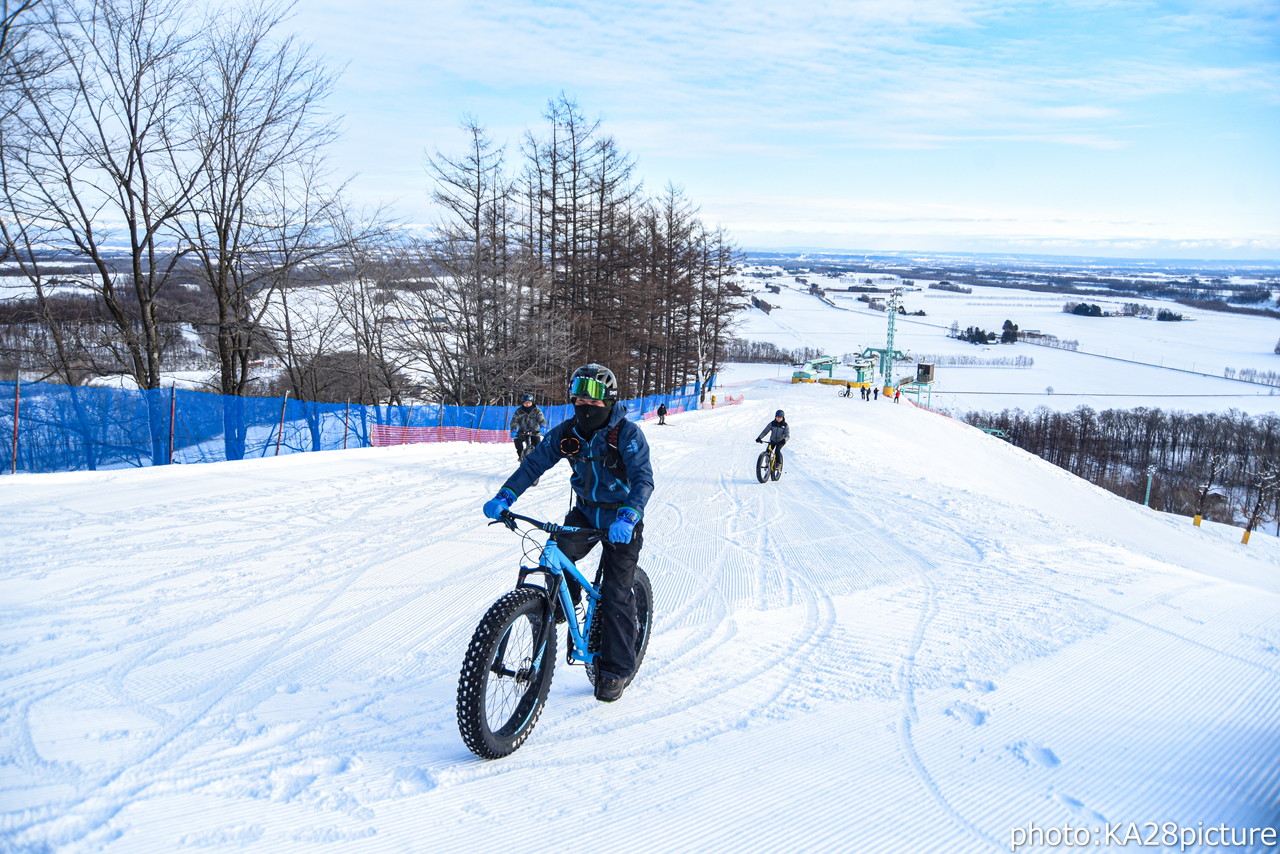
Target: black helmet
x,y
779,414
526,398
594,381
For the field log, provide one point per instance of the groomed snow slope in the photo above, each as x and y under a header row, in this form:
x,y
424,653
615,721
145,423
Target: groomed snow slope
x,y
919,639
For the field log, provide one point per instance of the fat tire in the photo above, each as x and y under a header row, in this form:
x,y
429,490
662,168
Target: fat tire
x,y
527,450
775,473
762,467
520,617
643,590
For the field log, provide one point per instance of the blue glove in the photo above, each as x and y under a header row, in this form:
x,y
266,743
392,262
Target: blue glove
x,y
622,528
498,504
513,433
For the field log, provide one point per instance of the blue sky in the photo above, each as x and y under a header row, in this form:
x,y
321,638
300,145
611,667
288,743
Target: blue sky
x,y
1101,127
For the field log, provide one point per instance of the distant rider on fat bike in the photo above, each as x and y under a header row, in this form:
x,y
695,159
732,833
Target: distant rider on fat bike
x,y
778,433
526,426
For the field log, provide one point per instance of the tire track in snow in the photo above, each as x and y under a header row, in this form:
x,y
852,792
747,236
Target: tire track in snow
x,y
996,560
893,551
102,793
1067,599
729,583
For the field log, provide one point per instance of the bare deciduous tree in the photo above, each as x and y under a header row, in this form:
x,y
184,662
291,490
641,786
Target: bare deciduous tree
x,y
1214,466
106,159
1264,482
473,320
260,209
570,262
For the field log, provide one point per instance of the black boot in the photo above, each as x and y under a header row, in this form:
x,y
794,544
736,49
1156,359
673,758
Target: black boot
x,y
608,687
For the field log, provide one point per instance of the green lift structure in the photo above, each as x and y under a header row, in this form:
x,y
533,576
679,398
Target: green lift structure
x,y
887,354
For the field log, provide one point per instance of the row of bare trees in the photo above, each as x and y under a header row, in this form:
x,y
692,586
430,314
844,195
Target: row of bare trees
x,y
1221,466
159,145
532,269
163,179
561,257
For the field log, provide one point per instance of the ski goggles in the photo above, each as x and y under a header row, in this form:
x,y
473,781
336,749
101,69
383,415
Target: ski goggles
x,y
587,387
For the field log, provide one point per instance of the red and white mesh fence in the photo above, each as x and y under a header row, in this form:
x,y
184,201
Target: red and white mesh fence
x,y
671,410
383,435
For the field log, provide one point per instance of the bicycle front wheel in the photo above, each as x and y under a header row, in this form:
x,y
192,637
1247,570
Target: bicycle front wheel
x,y
762,467
506,674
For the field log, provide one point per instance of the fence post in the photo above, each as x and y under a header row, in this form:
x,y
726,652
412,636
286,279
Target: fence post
x,y
17,384
404,437
173,416
346,417
280,434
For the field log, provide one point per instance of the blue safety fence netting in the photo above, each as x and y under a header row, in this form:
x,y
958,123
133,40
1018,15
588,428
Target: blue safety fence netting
x,y
74,428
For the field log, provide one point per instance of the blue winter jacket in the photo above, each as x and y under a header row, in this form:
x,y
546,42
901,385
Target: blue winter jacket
x,y
600,491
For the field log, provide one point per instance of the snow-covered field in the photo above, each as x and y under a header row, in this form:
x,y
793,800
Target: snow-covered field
x,y
920,639
1123,362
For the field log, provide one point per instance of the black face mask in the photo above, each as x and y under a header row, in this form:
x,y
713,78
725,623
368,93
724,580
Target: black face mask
x,y
588,419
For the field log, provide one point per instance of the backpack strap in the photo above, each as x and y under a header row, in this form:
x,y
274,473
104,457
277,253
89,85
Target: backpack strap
x,y
612,458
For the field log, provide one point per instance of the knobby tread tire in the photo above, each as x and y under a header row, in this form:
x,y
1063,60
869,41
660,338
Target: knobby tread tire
x,y
517,613
643,589
762,467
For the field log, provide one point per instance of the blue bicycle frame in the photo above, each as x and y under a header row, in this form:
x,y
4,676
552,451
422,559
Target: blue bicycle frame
x,y
553,563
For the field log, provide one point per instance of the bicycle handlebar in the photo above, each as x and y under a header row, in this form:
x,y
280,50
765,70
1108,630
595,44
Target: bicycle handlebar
x,y
509,519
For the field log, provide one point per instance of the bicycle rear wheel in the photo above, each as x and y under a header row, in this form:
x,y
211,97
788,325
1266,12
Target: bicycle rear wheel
x,y
506,674
643,591
775,472
762,467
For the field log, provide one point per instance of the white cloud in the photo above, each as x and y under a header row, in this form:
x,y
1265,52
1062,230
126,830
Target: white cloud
x,y
696,86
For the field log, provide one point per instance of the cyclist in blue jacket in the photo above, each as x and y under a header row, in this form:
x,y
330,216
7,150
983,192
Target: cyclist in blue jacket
x,y
612,479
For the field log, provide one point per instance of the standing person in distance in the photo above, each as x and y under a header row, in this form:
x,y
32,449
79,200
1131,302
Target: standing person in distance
x,y
526,426
662,413
778,433
612,480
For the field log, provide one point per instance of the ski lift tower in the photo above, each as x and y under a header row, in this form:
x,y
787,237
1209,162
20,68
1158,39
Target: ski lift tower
x,y
888,354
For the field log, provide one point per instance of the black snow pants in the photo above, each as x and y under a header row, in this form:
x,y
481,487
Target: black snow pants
x,y
777,449
526,440
617,609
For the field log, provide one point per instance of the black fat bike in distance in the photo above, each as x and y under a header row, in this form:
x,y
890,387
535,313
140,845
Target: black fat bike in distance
x,y
768,465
